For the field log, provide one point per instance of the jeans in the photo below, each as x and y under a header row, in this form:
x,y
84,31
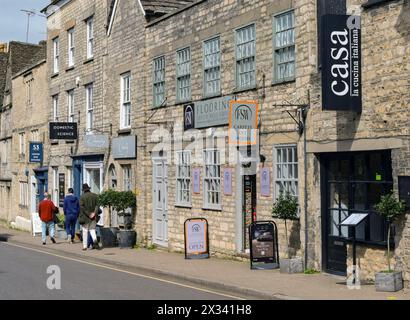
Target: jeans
x,y
44,226
70,221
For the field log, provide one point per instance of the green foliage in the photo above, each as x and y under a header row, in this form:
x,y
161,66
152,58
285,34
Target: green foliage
x,y
311,271
285,207
152,247
117,200
106,199
390,207
60,220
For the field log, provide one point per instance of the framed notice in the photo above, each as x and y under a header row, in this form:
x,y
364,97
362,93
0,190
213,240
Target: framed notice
x,y
264,250
196,238
265,182
197,180
228,182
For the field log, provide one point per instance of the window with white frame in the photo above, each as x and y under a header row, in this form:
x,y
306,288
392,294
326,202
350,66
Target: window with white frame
x,y
23,201
22,145
89,91
212,67
71,108
125,113
69,177
284,46
35,135
212,179
286,170
159,81
90,37
56,54
184,74
55,185
55,108
127,176
245,57
71,47
183,176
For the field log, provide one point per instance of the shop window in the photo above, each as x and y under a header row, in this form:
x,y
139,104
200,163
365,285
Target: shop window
x,y
286,170
183,176
212,179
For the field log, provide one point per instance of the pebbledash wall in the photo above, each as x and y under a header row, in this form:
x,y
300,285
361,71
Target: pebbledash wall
x,y
382,125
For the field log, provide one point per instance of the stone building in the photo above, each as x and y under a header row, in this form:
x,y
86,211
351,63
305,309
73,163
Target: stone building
x,y
23,89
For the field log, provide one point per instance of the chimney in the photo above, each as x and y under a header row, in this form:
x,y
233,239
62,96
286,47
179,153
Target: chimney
x,y
3,47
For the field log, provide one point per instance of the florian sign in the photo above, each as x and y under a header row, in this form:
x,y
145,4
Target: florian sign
x,y
341,63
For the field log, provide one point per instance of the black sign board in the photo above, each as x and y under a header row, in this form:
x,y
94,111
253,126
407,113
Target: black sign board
x,y
63,131
196,238
404,190
61,189
341,63
189,116
264,249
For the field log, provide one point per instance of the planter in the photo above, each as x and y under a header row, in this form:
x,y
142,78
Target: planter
x,y
60,233
294,265
389,282
127,238
108,237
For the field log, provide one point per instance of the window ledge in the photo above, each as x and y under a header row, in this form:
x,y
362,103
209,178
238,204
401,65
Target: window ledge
x,y
69,68
54,75
373,3
183,206
285,81
89,60
211,96
212,208
53,142
69,141
183,101
239,90
124,131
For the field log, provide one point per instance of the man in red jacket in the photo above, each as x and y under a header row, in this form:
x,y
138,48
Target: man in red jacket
x,y
46,210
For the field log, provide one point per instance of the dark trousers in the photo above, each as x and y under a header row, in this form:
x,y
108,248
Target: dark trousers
x,y
70,221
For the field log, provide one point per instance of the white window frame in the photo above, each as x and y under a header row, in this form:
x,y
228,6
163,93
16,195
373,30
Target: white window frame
x,y
56,55
286,33
69,177
89,100
282,175
183,73
35,137
90,37
71,47
208,180
71,105
125,113
22,145
158,81
183,177
212,66
242,57
127,177
55,185
23,199
55,107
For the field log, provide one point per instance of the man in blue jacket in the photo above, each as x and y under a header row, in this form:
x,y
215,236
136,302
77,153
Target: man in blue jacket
x,y
71,212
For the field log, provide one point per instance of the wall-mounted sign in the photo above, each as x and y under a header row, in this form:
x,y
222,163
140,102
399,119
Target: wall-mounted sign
x,y
265,182
196,238
243,122
212,112
36,152
96,141
197,180
341,63
63,131
61,189
264,252
228,182
124,147
189,116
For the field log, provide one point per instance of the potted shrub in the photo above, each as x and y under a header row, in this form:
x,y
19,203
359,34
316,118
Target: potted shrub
x,y
60,226
286,208
108,235
124,203
391,209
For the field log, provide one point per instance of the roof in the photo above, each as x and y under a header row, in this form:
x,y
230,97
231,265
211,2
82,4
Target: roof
x,y
3,71
161,7
22,55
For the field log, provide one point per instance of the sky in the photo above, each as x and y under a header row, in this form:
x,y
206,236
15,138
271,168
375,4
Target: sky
x,y
13,22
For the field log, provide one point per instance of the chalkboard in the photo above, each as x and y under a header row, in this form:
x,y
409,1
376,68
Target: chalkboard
x,y
264,249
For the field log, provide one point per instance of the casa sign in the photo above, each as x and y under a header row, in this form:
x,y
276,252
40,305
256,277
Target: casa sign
x,y
341,63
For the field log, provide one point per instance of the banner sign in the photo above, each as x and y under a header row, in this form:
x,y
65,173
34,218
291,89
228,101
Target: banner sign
x,y
36,152
197,180
264,252
243,122
96,141
211,112
63,131
265,182
228,182
196,238
341,63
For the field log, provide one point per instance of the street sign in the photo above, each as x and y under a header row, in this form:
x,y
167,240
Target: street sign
x,y
63,131
36,152
196,238
263,236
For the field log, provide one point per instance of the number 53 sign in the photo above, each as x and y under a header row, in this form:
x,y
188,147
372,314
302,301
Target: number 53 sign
x,y
36,152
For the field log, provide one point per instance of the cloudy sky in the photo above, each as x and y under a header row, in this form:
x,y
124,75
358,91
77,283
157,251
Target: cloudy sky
x,y
13,22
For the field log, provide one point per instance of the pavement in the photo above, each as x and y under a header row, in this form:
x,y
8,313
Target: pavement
x,y
222,275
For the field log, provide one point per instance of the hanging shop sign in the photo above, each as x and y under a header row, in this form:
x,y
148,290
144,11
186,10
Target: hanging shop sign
x,y
212,112
264,250
228,182
63,131
124,147
243,122
61,189
197,180
265,182
96,141
36,152
196,238
341,63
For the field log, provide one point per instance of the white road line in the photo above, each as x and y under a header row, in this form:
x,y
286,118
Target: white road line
x,y
124,271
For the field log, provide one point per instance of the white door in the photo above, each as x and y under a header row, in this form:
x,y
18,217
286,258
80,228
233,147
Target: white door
x,y
93,176
160,212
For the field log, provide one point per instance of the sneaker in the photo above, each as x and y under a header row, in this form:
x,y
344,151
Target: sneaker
x,y
97,245
84,249
53,240
44,243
